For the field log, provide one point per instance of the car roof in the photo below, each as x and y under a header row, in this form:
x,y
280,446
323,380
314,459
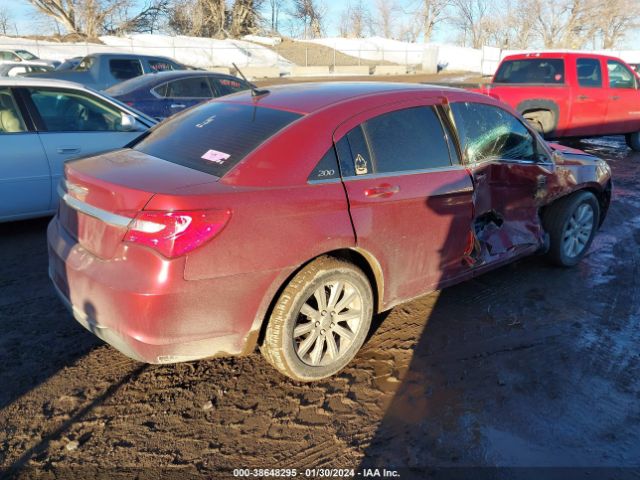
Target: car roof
x,y
306,98
557,54
173,74
127,55
38,82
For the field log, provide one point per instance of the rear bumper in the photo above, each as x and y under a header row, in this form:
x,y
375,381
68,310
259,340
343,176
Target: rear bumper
x,y
140,303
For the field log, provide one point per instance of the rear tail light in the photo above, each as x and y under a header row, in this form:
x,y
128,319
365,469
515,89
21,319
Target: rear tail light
x,y
176,233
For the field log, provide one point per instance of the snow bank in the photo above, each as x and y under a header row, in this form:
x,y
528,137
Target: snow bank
x,y
376,49
199,52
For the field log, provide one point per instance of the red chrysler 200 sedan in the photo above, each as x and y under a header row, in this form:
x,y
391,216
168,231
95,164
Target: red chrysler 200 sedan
x,y
286,219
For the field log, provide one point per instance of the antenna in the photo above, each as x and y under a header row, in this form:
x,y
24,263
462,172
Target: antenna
x,y
255,92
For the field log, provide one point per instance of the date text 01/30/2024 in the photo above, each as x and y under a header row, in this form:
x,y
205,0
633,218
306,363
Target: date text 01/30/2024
x,y
315,473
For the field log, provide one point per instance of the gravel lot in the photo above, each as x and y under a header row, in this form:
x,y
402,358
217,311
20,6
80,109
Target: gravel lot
x,y
527,366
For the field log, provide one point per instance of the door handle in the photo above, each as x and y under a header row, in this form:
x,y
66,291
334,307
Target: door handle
x,y
67,150
381,191
583,97
177,105
615,97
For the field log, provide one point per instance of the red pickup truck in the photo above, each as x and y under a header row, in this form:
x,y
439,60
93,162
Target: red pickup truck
x,y
571,94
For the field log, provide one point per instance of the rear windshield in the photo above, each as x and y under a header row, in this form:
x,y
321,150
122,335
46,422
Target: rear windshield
x,y
534,70
215,136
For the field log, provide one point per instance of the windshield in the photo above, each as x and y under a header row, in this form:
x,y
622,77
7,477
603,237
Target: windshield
x,y
534,70
25,55
215,136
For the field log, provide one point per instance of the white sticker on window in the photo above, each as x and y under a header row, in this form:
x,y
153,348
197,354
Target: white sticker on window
x,y
215,156
361,165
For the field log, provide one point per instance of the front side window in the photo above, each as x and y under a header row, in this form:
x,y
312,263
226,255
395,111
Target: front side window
x,y
487,132
531,70
123,69
619,75
589,72
10,118
193,87
10,56
68,111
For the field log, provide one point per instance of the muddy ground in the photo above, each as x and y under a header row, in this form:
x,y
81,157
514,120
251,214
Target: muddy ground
x,y
527,366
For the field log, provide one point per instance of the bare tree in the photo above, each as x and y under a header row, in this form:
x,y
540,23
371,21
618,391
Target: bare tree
x,y
5,20
200,18
471,17
615,19
355,19
384,19
150,19
245,17
311,14
430,13
276,8
562,23
83,17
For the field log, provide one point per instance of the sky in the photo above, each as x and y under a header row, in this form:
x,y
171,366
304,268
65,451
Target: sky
x,y
26,23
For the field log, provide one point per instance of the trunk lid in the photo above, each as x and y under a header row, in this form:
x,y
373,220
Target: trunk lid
x,y
101,195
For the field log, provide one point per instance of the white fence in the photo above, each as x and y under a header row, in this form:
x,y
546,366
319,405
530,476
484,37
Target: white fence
x,y
208,53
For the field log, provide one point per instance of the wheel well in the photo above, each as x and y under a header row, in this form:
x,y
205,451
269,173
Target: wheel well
x,y
356,257
603,197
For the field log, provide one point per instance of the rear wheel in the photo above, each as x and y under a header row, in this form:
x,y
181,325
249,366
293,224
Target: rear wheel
x,y
633,141
320,320
571,224
541,120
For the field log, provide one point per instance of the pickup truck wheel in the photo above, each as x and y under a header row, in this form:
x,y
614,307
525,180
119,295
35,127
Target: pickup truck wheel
x,y
571,223
320,320
540,120
633,141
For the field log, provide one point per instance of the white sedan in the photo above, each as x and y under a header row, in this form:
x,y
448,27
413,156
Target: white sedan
x,y
45,122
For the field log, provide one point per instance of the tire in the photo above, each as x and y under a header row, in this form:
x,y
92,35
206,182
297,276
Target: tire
x,y
311,355
633,141
571,223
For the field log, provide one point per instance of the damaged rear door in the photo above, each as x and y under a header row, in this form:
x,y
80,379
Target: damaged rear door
x,y
510,170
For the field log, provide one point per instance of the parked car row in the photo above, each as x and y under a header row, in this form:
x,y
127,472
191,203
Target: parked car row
x,y
168,237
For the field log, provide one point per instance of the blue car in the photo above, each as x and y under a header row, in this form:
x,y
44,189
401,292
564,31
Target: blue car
x,y
163,94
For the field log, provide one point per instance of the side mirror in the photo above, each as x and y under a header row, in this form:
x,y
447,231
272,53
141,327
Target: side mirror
x,y
127,122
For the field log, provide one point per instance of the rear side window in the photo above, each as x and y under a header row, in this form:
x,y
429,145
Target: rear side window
x,y
400,141
228,85
531,70
160,65
589,72
123,69
327,167
487,133
214,137
410,139
192,87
